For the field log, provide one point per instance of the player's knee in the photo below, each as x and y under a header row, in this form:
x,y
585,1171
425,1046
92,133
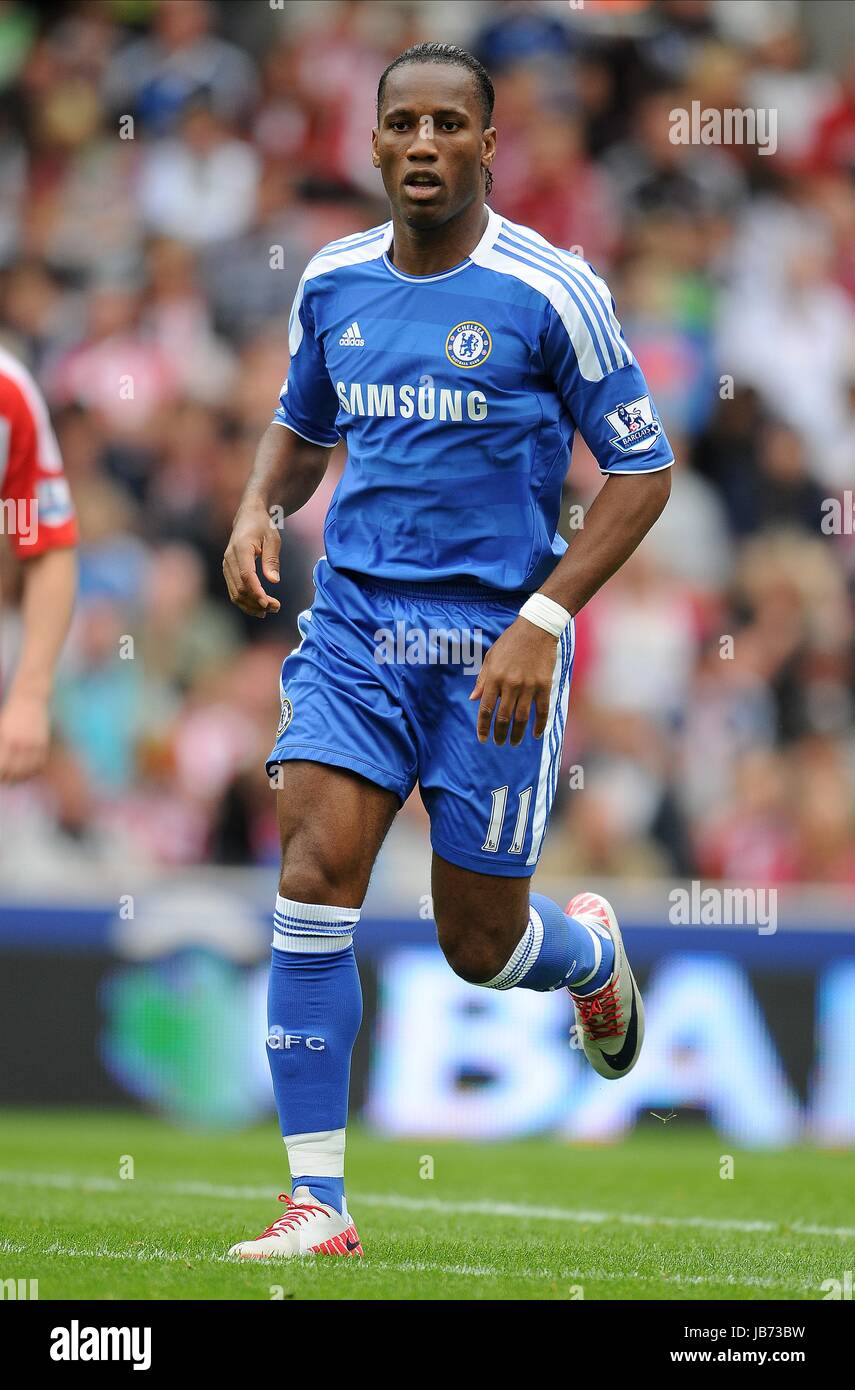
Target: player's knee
x,y
474,957
311,875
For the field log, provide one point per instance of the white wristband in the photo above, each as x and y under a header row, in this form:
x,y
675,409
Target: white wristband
x,y
546,613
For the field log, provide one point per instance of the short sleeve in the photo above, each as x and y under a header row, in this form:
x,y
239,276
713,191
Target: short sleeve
x,y
308,404
599,381
31,475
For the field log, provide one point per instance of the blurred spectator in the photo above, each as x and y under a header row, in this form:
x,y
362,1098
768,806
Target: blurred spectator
x,y
783,81
834,137
561,192
200,186
183,633
154,77
520,33
178,317
811,322
653,174
243,293
117,369
13,189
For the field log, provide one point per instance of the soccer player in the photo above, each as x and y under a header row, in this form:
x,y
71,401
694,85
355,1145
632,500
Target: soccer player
x,y
455,353
36,513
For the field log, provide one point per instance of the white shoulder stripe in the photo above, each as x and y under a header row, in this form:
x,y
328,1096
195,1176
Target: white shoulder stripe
x,y
589,354
594,297
336,259
353,239
599,286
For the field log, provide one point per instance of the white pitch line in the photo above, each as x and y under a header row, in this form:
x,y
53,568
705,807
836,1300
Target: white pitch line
x,y
157,1256
511,1210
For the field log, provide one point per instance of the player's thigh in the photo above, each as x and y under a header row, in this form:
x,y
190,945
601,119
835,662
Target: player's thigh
x,y
344,758
489,805
332,823
489,808
479,917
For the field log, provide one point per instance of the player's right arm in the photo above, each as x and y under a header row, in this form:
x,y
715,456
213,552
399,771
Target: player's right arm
x,y
287,471
289,465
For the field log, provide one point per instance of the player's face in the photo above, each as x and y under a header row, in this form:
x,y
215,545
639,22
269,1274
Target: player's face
x,y
430,145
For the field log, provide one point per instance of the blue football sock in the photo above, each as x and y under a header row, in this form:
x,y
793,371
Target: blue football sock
x,y
314,1009
557,951
329,1190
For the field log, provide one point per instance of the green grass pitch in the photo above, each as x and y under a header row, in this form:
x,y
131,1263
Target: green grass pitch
x,y
649,1218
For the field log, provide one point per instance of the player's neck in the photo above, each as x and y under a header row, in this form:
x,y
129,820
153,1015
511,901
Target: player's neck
x,y
431,250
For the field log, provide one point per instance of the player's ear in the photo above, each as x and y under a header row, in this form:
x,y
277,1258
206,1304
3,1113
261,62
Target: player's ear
x,y
375,157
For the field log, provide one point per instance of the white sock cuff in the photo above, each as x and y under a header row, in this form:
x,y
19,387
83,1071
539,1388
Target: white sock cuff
x,y
319,1155
524,956
308,927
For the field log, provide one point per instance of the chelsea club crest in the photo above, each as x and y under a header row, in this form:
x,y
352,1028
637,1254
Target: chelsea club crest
x,y
286,716
468,345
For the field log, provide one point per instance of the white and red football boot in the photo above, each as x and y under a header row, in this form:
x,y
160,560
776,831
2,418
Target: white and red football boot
x,y
307,1227
611,1020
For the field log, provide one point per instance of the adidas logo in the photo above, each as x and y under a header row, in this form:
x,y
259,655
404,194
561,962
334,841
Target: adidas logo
x,y
351,337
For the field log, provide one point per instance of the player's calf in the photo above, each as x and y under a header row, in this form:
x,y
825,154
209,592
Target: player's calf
x,y
580,950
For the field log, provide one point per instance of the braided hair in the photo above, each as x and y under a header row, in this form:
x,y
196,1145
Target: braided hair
x,y
447,53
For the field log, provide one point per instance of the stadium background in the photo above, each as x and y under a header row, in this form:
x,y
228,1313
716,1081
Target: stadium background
x,y
147,280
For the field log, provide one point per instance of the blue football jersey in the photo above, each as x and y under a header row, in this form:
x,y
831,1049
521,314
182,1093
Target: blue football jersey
x,y
457,396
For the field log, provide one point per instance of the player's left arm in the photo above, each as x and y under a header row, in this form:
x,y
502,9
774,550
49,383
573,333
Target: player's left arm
x,y
616,523
597,378
517,670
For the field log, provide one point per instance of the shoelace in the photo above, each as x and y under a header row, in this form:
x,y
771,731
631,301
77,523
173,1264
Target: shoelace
x,y
600,1013
297,1212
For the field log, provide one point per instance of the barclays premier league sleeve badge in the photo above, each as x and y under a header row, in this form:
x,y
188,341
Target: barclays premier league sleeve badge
x,y
635,428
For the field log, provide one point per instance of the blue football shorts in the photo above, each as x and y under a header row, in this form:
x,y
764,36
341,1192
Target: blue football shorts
x,y
380,684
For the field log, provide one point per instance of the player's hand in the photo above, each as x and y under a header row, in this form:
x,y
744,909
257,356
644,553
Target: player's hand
x,y
24,737
253,534
516,675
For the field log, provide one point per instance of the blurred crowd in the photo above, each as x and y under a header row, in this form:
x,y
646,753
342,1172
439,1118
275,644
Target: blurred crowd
x,y
166,170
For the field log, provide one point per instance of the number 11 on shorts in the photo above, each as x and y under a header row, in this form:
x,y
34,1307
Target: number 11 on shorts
x,y
499,798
